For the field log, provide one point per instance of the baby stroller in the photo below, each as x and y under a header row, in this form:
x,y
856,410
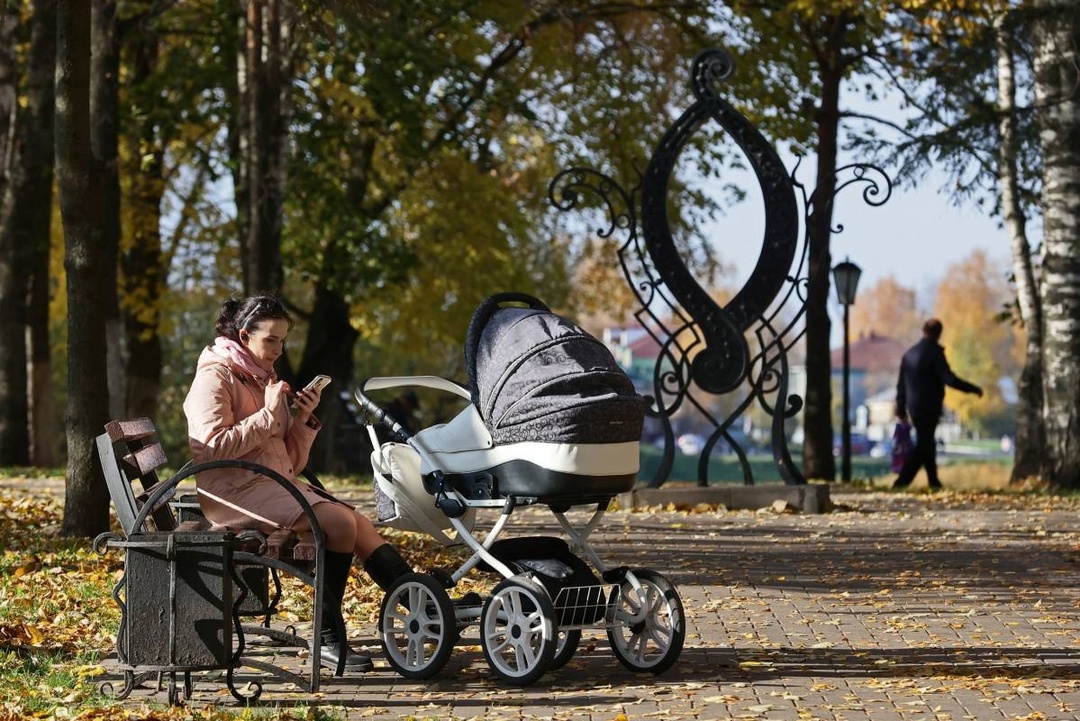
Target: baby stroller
x,y
552,421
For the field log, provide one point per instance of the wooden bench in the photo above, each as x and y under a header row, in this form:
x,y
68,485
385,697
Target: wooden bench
x,y
246,567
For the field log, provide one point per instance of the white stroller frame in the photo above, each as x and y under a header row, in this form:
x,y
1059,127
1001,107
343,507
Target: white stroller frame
x,y
522,632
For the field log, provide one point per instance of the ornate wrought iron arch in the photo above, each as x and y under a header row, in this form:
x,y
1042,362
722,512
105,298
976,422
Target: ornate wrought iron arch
x,y
703,347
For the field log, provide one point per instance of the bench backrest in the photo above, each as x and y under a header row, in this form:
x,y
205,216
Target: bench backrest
x,y
131,454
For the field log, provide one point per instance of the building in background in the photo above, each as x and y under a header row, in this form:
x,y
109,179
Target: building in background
x,y
875,362
636,352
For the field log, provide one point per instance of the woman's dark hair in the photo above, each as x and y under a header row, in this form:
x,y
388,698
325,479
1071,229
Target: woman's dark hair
x,y
239,314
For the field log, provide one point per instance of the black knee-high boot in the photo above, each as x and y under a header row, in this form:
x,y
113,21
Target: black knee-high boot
x,y
335,577
385,565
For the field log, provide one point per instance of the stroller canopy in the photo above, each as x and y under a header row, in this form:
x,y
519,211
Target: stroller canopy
x,y
536,376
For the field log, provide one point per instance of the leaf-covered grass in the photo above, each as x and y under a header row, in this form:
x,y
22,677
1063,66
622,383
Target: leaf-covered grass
x,y
56,615
58,619
19,472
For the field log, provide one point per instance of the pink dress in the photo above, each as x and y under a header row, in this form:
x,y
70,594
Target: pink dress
x,y
227,419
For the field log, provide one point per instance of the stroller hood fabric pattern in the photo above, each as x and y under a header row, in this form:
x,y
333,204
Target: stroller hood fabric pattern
x,y
536,376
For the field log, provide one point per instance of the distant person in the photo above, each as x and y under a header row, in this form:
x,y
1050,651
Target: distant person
x,y
920,392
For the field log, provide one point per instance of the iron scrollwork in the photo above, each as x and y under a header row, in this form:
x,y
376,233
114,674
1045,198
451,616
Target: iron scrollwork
x,y
703,347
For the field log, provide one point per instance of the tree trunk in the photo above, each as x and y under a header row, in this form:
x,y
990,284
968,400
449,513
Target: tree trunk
x,y
40,105
25,213
818,461
236,90
263,87
1057,57
105,140
1030,438
329,349
82,203
9,33
142,261
14,438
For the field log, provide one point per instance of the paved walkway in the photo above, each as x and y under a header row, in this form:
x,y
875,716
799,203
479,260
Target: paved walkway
x,y
893,606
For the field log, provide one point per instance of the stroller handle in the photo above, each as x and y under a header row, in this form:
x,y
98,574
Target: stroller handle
x,y
434,482
380,416
379,383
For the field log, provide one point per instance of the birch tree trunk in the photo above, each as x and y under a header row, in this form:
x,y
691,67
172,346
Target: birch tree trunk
x,y
1030,437
1057,94
82,202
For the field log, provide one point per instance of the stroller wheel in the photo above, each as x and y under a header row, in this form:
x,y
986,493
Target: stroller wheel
x,y
417,626
517,631
565,647
647,630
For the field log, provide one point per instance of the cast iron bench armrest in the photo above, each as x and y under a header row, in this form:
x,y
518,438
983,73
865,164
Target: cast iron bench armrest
x,y
190,468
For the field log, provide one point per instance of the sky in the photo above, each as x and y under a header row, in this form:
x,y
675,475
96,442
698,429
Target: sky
x,y
914,236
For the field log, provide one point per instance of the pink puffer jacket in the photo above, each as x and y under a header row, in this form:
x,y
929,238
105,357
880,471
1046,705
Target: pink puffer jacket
x,y
227,420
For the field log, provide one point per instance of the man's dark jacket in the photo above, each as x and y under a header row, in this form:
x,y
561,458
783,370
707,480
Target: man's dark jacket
x,y
924,373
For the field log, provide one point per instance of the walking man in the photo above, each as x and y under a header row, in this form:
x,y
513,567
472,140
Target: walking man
x,y
920,392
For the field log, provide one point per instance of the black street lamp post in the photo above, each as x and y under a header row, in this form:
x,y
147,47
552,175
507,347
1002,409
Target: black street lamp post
x,y
846,275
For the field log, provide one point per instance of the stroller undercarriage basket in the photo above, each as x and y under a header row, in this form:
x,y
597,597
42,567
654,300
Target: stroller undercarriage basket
x,y
579,597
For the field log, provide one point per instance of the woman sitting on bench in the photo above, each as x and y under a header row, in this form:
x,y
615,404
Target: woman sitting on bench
x,y
238,409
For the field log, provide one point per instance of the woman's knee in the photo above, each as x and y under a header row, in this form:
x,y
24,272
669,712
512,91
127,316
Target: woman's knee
x,y
367,536
338,526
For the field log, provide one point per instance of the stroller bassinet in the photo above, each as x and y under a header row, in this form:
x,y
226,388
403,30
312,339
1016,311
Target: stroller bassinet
x,y
553,416
536,376
552,419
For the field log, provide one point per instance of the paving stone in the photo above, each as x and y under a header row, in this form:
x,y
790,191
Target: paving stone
x,y
896,606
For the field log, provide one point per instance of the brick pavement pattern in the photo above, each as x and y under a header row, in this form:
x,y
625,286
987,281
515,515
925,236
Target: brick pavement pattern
x,y
891,606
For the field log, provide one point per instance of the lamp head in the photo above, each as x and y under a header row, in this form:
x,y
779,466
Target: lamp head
x,y
846,277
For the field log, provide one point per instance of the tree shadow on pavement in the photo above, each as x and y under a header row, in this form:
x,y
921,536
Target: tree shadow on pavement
x,y
594,678
785,662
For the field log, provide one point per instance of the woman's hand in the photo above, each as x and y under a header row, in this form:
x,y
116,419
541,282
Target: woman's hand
x,y
275,394
306,401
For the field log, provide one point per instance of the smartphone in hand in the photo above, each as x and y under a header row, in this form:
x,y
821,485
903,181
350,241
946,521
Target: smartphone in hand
x,y
317,383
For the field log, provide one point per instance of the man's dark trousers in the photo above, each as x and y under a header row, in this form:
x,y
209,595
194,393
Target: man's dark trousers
x,y
923,455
